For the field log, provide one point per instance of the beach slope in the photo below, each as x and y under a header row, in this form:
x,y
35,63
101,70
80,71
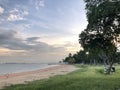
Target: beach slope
x,y
25,77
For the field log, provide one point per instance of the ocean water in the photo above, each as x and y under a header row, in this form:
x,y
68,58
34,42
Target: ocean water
x,y
15,68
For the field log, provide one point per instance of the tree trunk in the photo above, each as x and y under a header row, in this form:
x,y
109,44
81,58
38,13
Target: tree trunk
x,y
110,67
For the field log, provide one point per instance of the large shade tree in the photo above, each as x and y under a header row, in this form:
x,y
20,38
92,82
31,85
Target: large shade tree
x,y
101,37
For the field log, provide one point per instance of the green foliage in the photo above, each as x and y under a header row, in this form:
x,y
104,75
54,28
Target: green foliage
x,y
86,78
80,57
71,60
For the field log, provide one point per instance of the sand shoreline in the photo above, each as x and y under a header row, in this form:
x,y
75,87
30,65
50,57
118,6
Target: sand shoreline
x,y
25,77
8,75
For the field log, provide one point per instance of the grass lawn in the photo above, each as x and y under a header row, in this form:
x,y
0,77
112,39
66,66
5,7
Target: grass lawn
x,y
86,78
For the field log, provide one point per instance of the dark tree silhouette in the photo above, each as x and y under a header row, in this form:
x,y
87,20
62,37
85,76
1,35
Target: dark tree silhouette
x,y
101,37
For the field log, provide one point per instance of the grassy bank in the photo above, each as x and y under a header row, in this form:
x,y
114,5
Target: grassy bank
x,y
86,78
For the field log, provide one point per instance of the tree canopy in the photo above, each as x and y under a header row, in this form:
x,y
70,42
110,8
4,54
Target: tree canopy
x,y
101,37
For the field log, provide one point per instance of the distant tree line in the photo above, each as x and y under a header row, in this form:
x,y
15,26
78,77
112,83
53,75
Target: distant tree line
x,y
82,57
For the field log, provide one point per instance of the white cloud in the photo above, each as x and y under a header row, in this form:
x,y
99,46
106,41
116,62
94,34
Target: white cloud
x,y
17,14
13,17
1,10
39,4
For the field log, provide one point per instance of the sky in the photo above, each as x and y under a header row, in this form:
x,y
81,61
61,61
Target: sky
x,y
40,30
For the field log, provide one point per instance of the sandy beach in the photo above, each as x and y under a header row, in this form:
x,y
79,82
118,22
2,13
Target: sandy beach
x,y
25,77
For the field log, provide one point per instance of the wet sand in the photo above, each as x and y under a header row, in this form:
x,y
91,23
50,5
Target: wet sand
x,y
25,77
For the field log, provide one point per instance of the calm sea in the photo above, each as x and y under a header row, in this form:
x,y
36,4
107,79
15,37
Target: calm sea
x,y
14,68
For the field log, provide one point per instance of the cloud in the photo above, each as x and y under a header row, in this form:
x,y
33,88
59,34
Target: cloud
x,y
17,14
13,17
25,13
1,10
14,10
32,39
11,40
39,4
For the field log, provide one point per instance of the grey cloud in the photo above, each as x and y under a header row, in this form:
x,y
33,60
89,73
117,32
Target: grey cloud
x,y
1,10
32,39
9,39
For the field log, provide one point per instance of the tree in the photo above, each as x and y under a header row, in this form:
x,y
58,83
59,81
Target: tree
x,y
100,38
71,60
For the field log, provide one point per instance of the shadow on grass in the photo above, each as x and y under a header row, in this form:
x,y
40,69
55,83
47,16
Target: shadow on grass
x,y
100,71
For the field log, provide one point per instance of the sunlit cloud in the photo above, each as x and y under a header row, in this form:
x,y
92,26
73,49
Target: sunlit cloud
x,y
6,52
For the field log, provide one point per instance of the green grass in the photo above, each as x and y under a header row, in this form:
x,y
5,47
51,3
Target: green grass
x,y
86,78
